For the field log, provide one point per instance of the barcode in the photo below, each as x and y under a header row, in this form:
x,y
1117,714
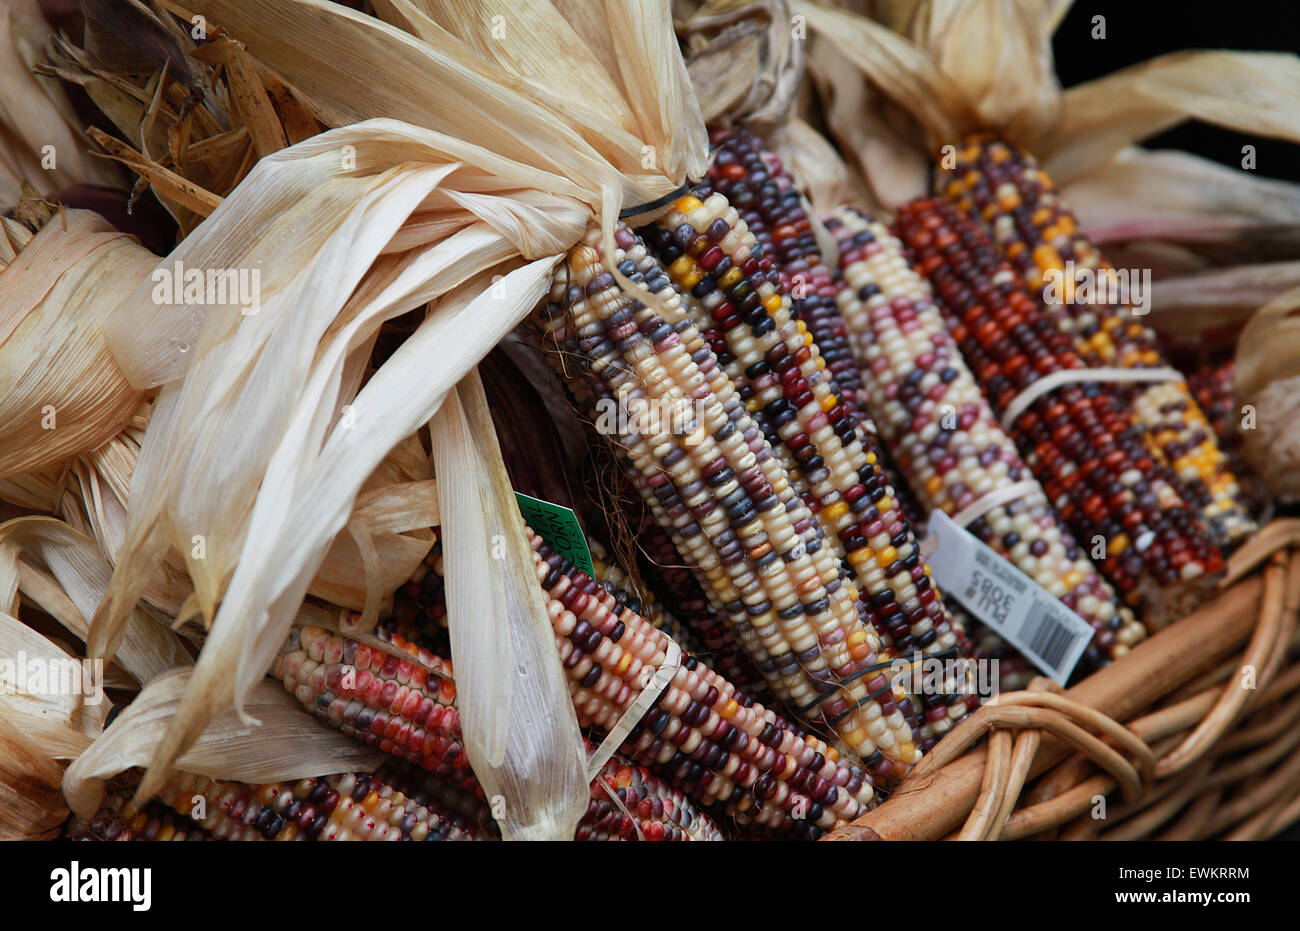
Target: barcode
x,y
1046,635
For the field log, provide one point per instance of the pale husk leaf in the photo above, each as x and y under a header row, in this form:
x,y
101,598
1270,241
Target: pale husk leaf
x,y
999,53
1250,92
1268,378
65,708
1219,298
288,745
61,393
899,69
894,170
1174,195
31,803
745,60
83,573
35,113
508,675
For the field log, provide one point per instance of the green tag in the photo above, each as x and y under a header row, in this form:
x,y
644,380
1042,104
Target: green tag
x,y
559,527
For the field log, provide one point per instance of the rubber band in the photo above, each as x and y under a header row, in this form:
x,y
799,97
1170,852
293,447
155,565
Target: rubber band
x,y
635,711
1020,403
657,204
835,689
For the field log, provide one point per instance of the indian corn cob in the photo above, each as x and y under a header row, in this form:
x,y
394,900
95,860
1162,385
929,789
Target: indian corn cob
x,y
1035,230
402,706
647,808
402,802
1214,387
732,290
725,500
121,819
701,734
933,417
618,583
425,624
390,804
1077,438
720,649
755,182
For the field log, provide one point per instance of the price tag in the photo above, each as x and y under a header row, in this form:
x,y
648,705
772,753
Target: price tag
x,y
559,527
1025,614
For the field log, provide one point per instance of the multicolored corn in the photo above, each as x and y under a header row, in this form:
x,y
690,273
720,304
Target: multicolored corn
x,y
646,809
618,583
1036,231
724,498
120,819
734,294
1077,438
756,183
1214,387
405,707
701,734
394,803
717,647
936,422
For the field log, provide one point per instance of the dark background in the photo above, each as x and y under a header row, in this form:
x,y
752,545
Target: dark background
x,y
1138,30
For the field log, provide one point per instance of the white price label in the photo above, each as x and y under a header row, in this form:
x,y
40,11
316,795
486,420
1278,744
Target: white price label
x,y
1025,614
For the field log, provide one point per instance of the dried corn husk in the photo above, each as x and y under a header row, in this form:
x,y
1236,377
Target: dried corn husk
x,y
289,745
38,729
1268,380
61,393
31,802
475,496
745,59
42,142
930,70
67,574
469,160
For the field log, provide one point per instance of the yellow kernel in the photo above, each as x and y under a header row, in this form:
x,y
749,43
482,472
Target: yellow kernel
x,y
829,401
836,510
1046,257
687,204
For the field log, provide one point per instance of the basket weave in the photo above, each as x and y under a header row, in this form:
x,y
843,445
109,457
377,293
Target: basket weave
x,y
1209,747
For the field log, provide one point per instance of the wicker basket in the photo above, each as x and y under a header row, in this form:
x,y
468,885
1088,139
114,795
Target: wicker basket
x,y
1209,747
